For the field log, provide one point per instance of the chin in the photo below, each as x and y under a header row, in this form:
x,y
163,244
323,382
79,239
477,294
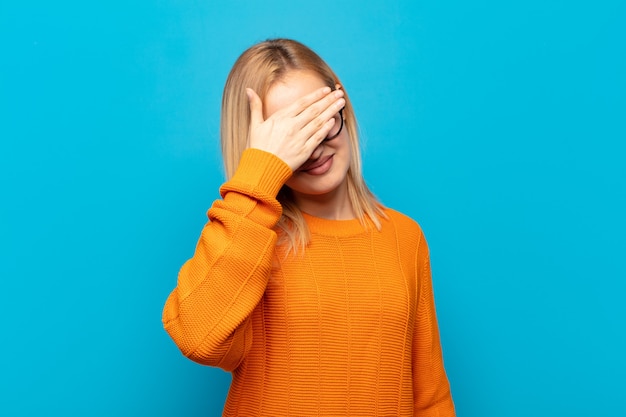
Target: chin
x,y
305,186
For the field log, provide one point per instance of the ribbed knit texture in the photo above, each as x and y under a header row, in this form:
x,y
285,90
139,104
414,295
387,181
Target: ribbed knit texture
x,y
347,328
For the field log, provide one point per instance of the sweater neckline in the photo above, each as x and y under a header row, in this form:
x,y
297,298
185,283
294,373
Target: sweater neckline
x,y
319,225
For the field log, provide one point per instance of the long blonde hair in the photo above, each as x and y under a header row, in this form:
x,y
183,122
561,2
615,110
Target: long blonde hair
x,y
259,67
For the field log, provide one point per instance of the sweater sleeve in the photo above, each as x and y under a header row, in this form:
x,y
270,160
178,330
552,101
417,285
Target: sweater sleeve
x,y
208,313
431,389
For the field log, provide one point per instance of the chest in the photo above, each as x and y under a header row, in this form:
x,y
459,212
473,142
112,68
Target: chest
x,y
349,285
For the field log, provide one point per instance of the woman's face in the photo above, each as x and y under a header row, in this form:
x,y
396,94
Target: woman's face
x,y
323,176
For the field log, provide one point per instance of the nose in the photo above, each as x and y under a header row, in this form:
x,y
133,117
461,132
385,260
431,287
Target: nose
x,y
317,152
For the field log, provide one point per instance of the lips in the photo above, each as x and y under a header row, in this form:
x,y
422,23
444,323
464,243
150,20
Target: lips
x,y
315,164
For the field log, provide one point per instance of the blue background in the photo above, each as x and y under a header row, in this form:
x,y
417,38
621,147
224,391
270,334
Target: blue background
x,y
499,126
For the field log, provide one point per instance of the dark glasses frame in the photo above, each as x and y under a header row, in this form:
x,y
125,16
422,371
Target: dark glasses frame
x,y
340,127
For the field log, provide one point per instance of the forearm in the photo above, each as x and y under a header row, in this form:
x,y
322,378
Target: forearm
x,y
219,287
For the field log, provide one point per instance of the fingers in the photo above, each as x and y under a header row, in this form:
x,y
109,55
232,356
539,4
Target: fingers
x,y
318,135
293,132
314,117
305,102
256,107
317,128
309,114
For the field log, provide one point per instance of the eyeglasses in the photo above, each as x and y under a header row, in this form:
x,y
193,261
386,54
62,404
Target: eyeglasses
x,y
336,129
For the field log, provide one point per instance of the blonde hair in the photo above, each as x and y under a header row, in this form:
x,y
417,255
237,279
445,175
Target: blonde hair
x,y
259,67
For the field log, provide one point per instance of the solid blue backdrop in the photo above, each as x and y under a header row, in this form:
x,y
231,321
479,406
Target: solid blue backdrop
x,y
499,126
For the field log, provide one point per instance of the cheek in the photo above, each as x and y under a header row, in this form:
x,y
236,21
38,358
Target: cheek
x,y
345,146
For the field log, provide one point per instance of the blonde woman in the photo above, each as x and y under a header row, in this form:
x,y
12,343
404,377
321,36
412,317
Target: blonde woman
x,y
316,297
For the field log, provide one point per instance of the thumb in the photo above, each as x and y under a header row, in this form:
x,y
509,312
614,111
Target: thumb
x,y
256,107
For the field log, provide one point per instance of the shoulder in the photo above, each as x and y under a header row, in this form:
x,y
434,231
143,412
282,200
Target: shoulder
x,y
402,221
408,231
409,240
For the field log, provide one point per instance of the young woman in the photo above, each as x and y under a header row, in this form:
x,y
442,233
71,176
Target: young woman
x,y
316,297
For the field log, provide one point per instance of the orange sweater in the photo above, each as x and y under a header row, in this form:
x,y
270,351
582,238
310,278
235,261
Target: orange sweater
x,y
346,329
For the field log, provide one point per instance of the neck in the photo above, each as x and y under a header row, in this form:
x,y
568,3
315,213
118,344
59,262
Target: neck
x,y
332,206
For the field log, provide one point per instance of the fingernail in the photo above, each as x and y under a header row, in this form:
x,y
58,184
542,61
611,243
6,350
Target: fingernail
x,y
249,93
326,90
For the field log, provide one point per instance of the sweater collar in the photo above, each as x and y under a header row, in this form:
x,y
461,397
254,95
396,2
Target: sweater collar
x,y
321,226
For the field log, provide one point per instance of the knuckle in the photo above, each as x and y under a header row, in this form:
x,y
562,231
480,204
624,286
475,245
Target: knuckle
x,y
318,122
291,131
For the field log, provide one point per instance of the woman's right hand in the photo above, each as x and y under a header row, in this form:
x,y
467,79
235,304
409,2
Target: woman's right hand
x,y
294,132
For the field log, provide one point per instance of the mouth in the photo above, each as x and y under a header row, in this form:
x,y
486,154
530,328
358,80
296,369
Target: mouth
x,y
315,164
